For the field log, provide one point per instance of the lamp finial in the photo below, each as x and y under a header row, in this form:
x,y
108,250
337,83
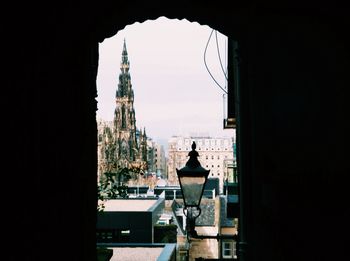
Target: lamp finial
x,y
193,161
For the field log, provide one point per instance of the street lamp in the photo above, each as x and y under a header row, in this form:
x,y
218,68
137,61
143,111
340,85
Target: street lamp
x,y
193,178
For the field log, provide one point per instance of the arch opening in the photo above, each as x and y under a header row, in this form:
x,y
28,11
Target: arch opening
x,y
162,72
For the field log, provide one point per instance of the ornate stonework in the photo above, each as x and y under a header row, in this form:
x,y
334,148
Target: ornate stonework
x,y
121,144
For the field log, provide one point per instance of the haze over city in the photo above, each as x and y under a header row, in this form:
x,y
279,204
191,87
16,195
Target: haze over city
x,y
174,93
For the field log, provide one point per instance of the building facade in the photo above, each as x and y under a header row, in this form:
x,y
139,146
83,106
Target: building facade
x,y
105,145
215,154
156,160
120,143
159,160
129,220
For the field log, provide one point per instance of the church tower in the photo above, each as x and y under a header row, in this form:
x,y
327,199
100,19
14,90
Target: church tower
x,y
120,143
127,147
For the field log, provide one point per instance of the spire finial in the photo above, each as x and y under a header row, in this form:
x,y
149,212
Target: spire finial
x,y
124,47
125,59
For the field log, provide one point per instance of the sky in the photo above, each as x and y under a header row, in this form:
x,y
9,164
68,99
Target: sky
x,y
174,93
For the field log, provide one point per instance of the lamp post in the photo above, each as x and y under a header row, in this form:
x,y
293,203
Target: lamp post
x,y
193,178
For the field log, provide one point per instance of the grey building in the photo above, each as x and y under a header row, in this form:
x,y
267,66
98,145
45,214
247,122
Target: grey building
x,y
128,220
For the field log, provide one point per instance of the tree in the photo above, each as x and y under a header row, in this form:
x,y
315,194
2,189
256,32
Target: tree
x,y
113,185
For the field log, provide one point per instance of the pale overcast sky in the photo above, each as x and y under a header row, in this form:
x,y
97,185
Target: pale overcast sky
x,y
174,93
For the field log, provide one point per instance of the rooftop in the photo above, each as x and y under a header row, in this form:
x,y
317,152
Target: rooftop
x,y
136,253
129,204
141,251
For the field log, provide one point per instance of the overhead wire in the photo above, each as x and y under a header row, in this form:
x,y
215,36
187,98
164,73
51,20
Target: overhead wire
x,y
225,73
206,66
217,48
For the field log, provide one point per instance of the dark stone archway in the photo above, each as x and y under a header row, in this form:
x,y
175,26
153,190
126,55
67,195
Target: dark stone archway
x,y
294,65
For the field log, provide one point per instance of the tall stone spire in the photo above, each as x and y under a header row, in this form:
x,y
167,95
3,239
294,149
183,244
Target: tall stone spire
x,y
124,146
127,143
124,86
125,54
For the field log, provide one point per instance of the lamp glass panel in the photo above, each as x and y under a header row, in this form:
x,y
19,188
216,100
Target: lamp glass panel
x,y
192,188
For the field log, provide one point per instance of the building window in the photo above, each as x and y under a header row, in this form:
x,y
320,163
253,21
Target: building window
x,y
124,236
229,249
123,117
112,236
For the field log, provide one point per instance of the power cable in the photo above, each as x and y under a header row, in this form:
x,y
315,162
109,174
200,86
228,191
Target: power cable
x,y
206,66
217,48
